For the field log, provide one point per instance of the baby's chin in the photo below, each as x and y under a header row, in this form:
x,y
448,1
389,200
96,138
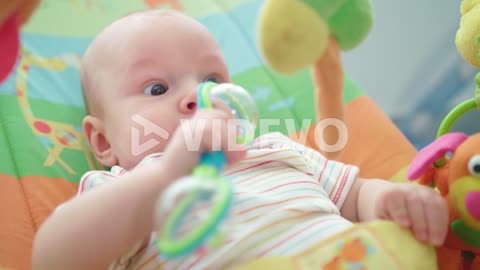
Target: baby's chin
x,y
128,164
133,161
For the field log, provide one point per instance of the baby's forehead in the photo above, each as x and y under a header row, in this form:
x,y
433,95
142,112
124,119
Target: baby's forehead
x,y
155,17
117,40
150,24
108,41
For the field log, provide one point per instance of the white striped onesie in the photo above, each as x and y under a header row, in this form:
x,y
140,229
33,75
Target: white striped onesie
x,y
287,198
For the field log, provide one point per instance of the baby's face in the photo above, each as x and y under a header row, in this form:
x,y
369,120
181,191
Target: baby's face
x,y
156,69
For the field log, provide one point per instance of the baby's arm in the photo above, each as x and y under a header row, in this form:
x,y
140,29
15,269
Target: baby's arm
x,y
360,205
92,230
410,205
96,228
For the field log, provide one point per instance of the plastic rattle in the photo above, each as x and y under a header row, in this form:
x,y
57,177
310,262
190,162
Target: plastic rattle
x,y
194,207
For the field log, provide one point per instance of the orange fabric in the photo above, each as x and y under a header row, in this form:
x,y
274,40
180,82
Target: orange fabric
x,y
24,204
16,228
23,8
8,7
374,144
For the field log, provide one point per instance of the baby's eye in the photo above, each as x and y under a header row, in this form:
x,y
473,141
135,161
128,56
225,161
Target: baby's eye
x,y
156,89
213,79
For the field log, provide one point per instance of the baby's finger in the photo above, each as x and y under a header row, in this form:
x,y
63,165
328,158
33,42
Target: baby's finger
x,y
207,125
219,133
221,105
415,206
397,209
437,220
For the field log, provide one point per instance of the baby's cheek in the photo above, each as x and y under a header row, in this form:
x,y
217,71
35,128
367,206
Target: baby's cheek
x,y
132,152
145,132
123,146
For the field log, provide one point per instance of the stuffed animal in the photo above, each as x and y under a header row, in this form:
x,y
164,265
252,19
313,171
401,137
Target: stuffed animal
x,y
293,34
458,181
13,14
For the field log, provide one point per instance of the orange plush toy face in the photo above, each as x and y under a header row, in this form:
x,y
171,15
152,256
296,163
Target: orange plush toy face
x,y
464,181
458,181
13,14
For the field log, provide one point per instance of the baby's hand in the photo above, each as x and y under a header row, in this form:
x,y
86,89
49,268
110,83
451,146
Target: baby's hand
x,y
218,133
207,131
419,207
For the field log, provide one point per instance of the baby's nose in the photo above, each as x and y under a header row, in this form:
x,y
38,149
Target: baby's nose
x,y
188,105
192,105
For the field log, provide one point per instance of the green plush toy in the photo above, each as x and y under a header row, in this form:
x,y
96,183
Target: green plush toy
x,y
293,34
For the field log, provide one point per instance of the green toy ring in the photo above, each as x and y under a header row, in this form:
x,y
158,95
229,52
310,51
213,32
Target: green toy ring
x,y
188,243
456,113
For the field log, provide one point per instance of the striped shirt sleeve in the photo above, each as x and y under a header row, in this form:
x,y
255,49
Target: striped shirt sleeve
x,y
334,177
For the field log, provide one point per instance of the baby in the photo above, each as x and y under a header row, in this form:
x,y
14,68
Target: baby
x,y
287,196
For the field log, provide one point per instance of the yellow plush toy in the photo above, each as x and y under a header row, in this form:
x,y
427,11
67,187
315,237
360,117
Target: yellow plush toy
x,y
293,34
467,39
376,245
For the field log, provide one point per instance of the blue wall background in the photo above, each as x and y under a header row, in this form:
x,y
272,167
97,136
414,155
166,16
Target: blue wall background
x,y
410,66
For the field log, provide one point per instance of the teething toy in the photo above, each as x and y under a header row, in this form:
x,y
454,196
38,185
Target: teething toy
x,y
294,33
194,207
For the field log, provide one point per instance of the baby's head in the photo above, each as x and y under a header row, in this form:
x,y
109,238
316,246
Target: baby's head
x,y
146,65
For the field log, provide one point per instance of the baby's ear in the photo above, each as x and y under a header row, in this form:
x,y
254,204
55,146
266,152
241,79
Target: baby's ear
x,y
93,128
